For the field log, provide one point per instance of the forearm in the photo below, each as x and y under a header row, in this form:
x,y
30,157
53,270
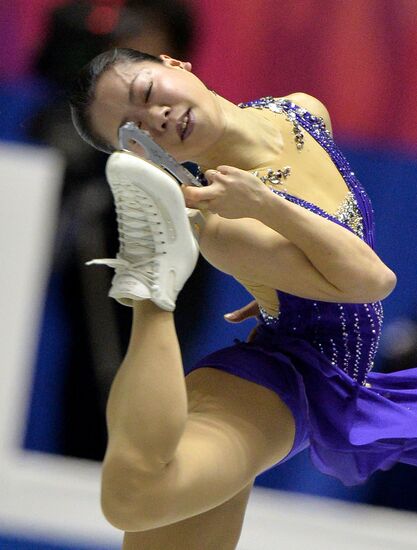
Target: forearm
x,y
343,259
147,407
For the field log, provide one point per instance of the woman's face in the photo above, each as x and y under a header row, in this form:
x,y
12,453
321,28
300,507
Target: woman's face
x,y
166,99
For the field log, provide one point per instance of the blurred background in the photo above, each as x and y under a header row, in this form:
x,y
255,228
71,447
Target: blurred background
x,y
357,56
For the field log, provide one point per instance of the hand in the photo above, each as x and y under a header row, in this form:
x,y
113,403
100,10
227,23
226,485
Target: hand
x,y
231,193
246,312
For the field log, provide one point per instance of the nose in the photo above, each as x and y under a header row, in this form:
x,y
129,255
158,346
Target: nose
x,y
158,117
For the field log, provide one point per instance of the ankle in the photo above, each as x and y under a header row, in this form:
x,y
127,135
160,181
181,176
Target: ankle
x,y
148,307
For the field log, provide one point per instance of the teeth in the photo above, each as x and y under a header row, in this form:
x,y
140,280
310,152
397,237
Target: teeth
x,y
184,123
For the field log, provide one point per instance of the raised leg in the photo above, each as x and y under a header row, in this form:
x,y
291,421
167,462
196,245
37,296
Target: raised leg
x,y
147,407
219,528
236,430
167,461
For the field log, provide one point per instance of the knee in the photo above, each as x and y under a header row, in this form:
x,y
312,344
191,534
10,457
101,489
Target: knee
x,y
125,494
115,497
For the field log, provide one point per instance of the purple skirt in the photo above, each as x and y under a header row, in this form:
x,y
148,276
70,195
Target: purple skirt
x,y
351,430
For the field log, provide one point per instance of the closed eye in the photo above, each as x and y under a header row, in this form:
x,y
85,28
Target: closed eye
x,y
132,89
148,93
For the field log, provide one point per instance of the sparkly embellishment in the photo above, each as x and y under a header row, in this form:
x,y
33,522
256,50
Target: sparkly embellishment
x,y
268,319
357,332
278,105
347,355
347,335
348,213
334,358
274,177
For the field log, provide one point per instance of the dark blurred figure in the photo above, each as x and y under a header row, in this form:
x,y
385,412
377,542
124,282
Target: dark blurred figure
x,y
81,30
98,327
155,26
398,349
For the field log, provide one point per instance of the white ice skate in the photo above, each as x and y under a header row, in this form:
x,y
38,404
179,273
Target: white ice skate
x,y
158,251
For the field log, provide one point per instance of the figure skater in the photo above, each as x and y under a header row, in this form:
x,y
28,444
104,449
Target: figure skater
x,y
285,215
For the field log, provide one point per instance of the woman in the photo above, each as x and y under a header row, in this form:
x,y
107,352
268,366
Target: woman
x,y
286,217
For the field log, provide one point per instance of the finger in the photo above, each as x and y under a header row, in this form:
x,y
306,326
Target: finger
x,y
249,310
212,176
225,169
198,194
239,315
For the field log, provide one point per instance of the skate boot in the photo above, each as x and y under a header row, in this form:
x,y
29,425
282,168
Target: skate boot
x,y
158,251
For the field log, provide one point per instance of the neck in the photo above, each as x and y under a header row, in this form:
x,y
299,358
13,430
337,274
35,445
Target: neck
x,y
250,139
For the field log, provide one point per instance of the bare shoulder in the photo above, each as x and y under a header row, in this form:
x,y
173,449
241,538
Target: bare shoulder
x,y
313,105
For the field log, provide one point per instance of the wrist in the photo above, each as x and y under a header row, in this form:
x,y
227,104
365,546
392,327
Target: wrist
x,y
267,207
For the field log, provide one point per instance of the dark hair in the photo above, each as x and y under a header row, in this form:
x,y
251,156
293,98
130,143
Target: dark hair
x,y
83,90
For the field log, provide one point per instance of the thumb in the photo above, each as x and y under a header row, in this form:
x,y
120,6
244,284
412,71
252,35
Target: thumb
x,y
239,315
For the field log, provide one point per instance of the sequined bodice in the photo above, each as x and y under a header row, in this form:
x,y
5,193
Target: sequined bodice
x,y
348,334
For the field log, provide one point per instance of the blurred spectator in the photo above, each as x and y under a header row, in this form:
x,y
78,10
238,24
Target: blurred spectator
x,y
98,327
155,26
398,349
81,30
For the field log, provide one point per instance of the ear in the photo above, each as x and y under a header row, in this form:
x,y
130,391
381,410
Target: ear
x,y
171,62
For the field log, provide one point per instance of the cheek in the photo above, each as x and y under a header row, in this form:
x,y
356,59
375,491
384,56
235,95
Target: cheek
x,y
138,149
104,122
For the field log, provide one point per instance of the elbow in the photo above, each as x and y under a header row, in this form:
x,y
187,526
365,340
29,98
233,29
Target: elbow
x,y
388,281
378,287
372,288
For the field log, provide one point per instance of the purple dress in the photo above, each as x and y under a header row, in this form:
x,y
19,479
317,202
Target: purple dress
x,y
318,356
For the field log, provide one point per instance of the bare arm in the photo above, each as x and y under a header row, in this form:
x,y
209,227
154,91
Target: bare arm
x,y
264,238
285,246
249,250
340,257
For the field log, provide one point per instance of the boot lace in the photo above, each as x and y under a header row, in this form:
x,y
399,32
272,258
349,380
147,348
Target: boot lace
x,y
140,236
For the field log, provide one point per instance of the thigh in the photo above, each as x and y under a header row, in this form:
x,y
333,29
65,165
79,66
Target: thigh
x,y
242,404
219,528
235,430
